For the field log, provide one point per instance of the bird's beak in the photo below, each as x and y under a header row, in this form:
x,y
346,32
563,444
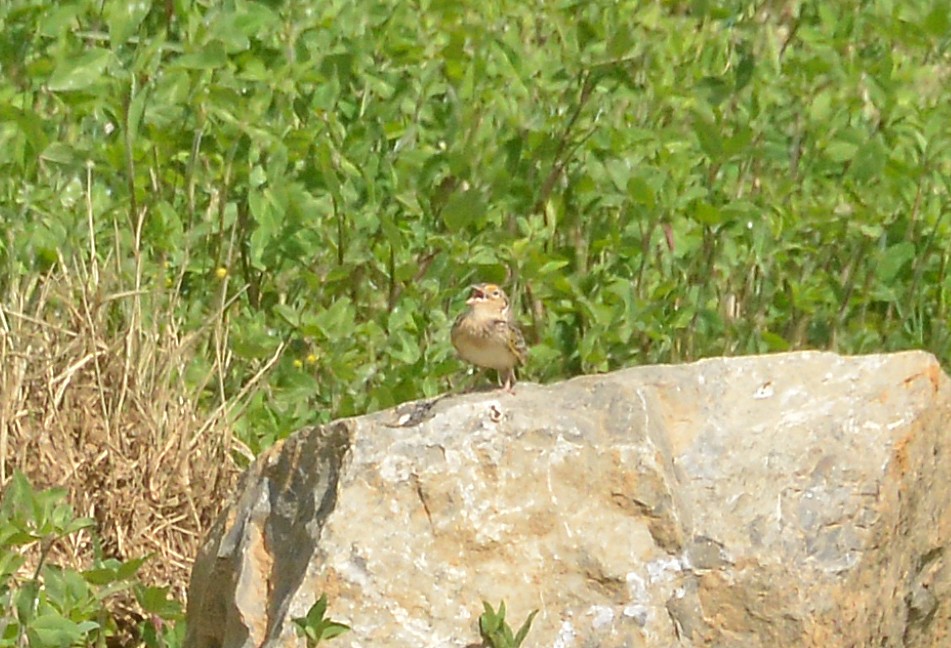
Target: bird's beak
x,y
477,294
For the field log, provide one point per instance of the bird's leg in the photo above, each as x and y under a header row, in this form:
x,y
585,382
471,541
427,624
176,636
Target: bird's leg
x,y
507,380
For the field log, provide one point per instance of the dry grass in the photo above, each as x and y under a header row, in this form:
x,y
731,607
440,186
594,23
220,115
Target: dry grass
x,y
98,395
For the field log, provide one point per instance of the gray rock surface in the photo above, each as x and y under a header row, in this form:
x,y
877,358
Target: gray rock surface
x,y
799,499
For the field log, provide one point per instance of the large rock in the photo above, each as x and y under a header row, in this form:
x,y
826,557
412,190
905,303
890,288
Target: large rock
x,y
787,500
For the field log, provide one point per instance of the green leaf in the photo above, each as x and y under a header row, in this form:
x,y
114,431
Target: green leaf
x,y
100,575
317,610
489,622
523,631
253,343
156,600
716,89
30,124
893,259
337,320
137,107
622,41
124,19
80,72
841,150
58,19
210,57
938,21
70,525
708,134
289,314
129,568
10,562
641,192
774,342
52,630
24,601
744,71
333,629
707,214
60,153
462,209
317,628
870,160
404,347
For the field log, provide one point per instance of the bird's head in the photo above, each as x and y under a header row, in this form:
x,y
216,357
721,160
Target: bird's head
x,y
487,294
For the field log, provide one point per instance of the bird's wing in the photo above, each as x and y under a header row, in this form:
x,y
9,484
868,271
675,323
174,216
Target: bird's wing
x,y
513,338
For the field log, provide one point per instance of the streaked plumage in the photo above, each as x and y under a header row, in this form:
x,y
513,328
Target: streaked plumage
x,y
486,334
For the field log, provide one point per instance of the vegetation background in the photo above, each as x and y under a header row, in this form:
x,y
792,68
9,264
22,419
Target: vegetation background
x,y
223,221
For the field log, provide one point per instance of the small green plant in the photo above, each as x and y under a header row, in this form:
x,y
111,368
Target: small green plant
x,y
315,627
49,605
164,626
496,633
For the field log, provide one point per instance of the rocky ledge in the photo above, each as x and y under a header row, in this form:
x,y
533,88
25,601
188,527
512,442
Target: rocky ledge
x,y
799,499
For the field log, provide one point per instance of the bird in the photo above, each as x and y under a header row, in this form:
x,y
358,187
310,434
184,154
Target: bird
x,y
486,334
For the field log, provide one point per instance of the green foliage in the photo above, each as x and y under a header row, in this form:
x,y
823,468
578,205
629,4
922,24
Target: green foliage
x,y
164,626
51,606
314,627
309,187
654,182
496,633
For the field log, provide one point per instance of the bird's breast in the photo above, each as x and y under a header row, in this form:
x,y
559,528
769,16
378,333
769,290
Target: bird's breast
x,y
483,350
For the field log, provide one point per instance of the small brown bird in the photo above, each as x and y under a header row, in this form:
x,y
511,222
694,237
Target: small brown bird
x,y
486,334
